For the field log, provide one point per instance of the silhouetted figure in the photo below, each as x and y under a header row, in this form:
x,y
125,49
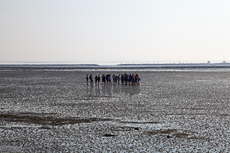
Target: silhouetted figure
x,y
87,78
103,78
96,79
91,78
118,79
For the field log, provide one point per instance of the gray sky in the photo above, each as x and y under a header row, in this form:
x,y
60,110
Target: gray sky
x,y
114,31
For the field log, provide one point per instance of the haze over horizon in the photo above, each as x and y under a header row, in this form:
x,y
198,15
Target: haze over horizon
x,y
102,32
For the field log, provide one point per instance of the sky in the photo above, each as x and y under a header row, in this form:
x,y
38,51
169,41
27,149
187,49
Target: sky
x,y
114,31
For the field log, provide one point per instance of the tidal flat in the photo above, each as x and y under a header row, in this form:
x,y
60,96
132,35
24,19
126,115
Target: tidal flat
x,y
172,110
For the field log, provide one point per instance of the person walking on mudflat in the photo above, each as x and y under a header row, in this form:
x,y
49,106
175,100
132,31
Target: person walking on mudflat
x,y
96,79
91,78
118,79
87,78
103,78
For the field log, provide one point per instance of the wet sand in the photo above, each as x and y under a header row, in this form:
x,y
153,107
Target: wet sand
x,y
55,110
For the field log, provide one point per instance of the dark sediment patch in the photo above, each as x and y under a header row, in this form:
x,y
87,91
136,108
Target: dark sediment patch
x,y
109,135
181,135
130,122
49,120
33,113
168,131
11,128
197,108
126,128
45,127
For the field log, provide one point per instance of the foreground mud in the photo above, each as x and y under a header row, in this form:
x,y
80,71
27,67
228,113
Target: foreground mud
x,y
171,111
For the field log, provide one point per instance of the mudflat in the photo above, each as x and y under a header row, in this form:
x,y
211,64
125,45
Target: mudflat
x,y
54,110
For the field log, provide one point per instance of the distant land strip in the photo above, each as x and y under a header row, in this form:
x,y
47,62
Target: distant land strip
x,y
119,66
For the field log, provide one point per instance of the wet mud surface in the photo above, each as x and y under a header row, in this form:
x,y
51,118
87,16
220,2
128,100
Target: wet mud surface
x,y
170,111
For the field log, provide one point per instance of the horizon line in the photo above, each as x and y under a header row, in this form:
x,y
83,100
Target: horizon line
x,y
111,63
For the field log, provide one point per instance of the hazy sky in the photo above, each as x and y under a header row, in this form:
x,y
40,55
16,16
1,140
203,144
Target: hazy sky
x,y
103,31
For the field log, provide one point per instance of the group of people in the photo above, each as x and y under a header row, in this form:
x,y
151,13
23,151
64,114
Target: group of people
x,y
115,79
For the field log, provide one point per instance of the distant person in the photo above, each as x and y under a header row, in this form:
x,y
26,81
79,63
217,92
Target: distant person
x,y
137,78
103,78
91,78
114,78
122,78
133,79
118,79
87,78
96,79
130,78
126,78
107,78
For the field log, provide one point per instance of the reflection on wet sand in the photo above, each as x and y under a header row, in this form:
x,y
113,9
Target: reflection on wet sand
x,y
108,90
126,89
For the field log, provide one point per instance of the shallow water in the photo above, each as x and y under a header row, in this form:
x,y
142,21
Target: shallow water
x,y
178,110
